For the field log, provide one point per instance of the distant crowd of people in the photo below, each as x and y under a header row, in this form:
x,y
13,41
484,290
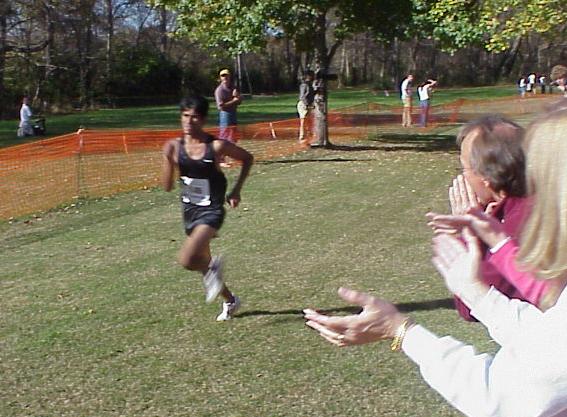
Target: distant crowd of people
x,y
529,84
533,83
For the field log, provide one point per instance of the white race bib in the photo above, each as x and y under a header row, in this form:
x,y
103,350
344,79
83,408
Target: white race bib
x,y
196,191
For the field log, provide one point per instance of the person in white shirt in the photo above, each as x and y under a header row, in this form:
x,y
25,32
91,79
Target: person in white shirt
x,y
522,86
527,377
406,93
25,128
424,92
531,83
542,82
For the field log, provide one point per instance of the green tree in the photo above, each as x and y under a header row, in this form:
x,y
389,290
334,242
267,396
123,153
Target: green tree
x,y
314,25
495,24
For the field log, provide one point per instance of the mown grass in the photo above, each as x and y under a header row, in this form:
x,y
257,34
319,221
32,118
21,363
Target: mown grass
x,y
99,320
258,109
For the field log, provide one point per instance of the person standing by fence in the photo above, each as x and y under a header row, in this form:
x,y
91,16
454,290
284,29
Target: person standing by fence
x,y
305,103
424,92
227,98
25,127
406,93
522,86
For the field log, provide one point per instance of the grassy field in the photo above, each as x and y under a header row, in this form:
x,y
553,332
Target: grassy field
x,y
99,320
260,108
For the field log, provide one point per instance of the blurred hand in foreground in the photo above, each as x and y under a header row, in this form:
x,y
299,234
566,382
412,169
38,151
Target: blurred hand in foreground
x,y
483,225
459,265
378,320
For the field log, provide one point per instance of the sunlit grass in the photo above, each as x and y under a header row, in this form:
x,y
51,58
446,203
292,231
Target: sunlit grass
x,y
99,320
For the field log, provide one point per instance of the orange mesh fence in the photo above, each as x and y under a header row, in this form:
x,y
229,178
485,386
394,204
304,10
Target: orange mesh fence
x,y
44,174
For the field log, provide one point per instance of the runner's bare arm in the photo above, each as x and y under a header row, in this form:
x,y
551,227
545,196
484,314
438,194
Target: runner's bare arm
x,y
223,147
168,167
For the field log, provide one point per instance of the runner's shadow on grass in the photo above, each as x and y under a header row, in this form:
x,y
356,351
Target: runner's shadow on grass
x,y
304,160
439,304
353,148
392,142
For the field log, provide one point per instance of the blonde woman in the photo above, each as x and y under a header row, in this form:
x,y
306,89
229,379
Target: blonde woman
x,y
528,374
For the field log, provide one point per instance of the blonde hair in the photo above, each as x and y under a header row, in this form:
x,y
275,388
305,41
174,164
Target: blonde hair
x,y
543,247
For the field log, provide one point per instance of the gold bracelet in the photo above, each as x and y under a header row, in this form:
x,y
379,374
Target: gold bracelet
x,y
400,334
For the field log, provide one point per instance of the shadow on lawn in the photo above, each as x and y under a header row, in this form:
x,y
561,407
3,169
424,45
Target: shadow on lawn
x,y
304,160
418,143
442,303
354,148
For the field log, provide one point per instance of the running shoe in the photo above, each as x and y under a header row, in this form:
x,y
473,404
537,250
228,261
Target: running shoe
x,y
229,309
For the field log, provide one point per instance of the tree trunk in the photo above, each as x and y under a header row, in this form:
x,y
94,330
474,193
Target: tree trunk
x,y
365,59
84,44
291,63
342,67
413,48
322,66
239,84
3,29
504,67
109,44
50,29
163,30
348,75
245,69
397,78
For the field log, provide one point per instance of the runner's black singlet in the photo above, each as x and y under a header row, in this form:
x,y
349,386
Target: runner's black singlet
x,y
202,183
203,188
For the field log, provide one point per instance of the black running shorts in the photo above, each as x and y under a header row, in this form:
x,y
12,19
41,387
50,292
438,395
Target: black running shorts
x,y
195,215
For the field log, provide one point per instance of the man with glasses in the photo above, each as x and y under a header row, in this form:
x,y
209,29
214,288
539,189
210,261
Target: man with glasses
x,y
493,180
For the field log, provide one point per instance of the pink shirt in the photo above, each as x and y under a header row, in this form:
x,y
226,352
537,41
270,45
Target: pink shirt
x,y
223,94
499,269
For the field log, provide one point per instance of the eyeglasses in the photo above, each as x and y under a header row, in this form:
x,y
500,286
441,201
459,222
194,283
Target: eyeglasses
x,y
462,170
224,75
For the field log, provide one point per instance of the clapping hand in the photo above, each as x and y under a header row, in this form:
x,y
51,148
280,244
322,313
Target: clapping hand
x,y
462,199
459,264
462,196
378,320
486,227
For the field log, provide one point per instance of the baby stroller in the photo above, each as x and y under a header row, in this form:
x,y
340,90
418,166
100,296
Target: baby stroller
x,y
38,126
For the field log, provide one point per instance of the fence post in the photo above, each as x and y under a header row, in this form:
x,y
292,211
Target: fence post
x,y
124,143
79,162
367,120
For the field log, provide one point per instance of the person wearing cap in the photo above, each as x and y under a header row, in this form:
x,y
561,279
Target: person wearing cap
x,y
228,99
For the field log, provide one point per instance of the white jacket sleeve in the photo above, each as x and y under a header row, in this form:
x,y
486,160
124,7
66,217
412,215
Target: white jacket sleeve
x,y
527,377
453,369
504,317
